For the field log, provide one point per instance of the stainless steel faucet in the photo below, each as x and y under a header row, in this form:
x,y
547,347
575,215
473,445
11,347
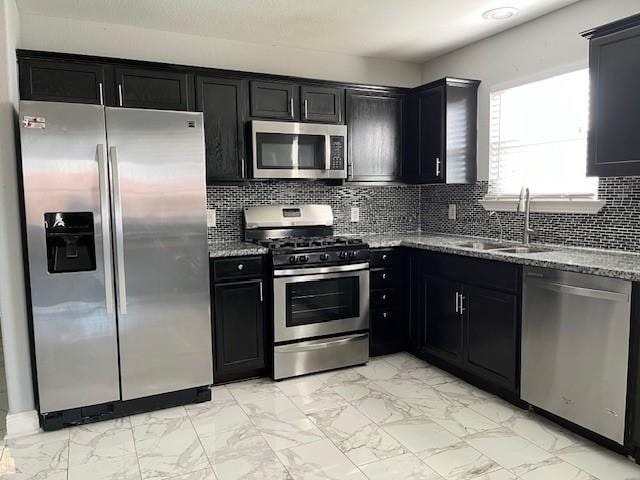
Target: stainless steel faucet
x,y
524,206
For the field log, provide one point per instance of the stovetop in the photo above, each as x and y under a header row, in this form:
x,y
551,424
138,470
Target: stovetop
x,y
295,244
315,251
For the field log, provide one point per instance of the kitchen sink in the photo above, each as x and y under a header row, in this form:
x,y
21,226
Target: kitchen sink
x,y
480,245
521,249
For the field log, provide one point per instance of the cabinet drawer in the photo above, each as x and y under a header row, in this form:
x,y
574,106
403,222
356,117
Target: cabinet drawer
x,y
237,267
383,257
384,298
385,320
384,278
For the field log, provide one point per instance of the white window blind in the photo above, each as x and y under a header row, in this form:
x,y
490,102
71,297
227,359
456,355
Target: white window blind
x,y
538,138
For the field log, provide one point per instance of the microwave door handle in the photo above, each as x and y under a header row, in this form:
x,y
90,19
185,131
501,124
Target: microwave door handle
x,y
327,152
295,160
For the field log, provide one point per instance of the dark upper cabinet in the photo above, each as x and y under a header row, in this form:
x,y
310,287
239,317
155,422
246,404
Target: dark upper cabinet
x,y
157,89
431,138
614,64
238,330
65,81
441,132
321,104
275,100
491,335
220,100
374,135
442,323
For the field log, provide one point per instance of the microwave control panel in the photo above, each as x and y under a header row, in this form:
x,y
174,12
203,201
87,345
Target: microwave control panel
x,y
337,152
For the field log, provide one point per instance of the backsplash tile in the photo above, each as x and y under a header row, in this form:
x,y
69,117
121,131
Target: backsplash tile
x,y
616,226
383,209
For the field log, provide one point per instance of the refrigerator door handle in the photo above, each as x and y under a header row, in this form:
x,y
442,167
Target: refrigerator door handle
x,y
103,175
119,236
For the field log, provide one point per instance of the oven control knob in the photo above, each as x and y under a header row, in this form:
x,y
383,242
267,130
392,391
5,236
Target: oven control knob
x,y
324,256
304,259
293,259
353,254
342,255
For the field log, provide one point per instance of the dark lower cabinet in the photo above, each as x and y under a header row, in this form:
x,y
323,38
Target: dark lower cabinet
x,y
220,101
468,318
614,65
274,100
442,327
492,334
65,81
238,324
321,104
374,135
157,89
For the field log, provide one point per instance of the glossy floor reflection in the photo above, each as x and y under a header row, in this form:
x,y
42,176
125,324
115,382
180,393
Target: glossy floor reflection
x,y
395,418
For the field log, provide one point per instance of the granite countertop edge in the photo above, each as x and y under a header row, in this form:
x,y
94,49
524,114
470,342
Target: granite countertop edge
x,y
607,263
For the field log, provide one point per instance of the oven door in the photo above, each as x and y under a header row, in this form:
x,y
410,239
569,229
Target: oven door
x,y
310,302
298,150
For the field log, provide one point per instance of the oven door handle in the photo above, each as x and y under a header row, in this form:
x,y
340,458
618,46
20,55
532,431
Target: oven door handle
x,y
319,270
320,344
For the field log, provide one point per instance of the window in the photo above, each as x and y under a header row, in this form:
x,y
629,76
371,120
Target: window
x,y
538,138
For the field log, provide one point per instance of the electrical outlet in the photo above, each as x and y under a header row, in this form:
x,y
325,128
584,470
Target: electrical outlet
x,y
453,211
211,217
355,214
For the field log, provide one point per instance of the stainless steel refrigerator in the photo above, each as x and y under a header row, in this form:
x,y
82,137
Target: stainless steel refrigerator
x,y
115,210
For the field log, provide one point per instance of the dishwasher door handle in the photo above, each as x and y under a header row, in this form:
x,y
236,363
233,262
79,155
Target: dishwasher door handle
x,y
584,292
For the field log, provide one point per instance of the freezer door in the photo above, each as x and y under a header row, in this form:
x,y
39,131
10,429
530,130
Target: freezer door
x,y
160,250
65,179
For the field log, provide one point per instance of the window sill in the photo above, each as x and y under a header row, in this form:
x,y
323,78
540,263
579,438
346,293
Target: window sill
x,y
545,205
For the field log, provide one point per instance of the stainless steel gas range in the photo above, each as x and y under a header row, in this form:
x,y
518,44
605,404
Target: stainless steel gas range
x,y
320,289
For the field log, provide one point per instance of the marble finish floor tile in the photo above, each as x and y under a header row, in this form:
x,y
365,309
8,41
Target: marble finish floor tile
x,y
356,435
319,460
460,462
395,418
403,467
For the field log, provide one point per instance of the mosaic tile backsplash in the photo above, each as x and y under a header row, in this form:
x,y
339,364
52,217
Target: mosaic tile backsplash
x,y
616,226
383,209
408,208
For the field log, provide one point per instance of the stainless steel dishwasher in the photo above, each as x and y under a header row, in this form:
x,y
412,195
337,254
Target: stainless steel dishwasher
x,y
575,347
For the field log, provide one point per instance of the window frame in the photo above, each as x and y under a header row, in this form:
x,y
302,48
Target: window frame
x,y
541,203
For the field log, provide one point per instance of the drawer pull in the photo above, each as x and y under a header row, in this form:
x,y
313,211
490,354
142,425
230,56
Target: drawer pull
x,y
384,256
240,266
384,297
384,276
385,315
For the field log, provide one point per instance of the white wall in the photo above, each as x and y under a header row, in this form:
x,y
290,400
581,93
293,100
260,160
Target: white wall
x,y
79,36
542,47
12,296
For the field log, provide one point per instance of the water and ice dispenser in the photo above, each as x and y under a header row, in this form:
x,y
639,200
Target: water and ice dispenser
x,y
70,242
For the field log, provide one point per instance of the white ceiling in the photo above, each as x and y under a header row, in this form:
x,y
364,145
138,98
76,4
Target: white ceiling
x,y
409,30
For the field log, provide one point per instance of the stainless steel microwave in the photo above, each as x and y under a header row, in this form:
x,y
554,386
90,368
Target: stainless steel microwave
x,y
299,150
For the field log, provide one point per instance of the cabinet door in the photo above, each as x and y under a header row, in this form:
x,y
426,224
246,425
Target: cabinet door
x,y
431,135
63,81
157,89
491,335
614,143
220,101
274,100
374,122
441,321
321,104
238,330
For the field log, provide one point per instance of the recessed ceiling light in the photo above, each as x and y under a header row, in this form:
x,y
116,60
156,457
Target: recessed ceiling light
x,y
501,13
